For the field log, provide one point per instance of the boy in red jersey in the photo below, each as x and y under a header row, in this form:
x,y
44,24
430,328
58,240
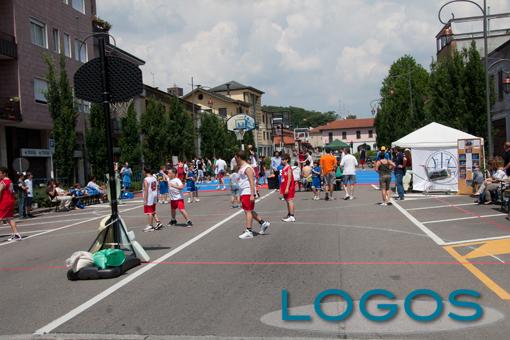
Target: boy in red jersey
x,y
288,188
7,204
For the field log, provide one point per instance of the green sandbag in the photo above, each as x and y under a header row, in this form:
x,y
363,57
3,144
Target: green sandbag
x,y
109,258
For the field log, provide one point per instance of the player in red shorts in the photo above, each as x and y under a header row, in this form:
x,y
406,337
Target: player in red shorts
x,y
175,187
150,198
247,189
7,204
288,188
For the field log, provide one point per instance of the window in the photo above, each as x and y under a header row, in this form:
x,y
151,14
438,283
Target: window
x,y
56,40
38,33
330,137
40,88
344,135
370,134
222,111
79,5
263,118
358,134
67,45
80,51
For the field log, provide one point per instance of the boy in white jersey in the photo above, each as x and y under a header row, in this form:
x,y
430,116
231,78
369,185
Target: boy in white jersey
x,y
175,187
247,187
150,198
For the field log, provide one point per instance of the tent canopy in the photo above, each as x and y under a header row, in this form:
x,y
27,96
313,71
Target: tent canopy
x,y
337,145
433,135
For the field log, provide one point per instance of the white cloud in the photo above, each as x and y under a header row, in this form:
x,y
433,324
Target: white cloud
x,y
310,53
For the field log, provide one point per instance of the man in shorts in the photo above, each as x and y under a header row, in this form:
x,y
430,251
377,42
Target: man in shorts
x,y
288,188
328,164
348,165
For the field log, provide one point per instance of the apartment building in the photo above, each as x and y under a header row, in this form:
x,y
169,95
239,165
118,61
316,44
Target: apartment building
x,y
28,30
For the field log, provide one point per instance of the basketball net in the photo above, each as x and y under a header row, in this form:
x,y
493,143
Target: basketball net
x,y
120,109
239,134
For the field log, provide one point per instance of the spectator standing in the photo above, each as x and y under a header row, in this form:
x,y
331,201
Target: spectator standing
x,y
22,194
126,174
276,161
348,165
400,171
362,158
30,193
328,164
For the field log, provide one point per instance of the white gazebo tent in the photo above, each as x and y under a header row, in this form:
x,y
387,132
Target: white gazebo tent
x,y
434,149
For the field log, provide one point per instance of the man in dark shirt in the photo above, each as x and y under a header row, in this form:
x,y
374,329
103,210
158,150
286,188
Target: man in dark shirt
x,y
506,158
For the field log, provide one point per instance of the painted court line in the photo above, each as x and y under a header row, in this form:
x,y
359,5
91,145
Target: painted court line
x,y
477,240
420,225
86,305
63,227
463,218
441,206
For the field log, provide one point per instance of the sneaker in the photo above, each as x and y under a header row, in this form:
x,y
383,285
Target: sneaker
x,y
189,224
289,219
158,226
197,199
263,227
383,204
148,228
246,235
189,200
172,222
351,197
14,237
327,198
346,198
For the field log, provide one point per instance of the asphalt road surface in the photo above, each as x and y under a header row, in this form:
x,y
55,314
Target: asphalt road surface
x,y
205,282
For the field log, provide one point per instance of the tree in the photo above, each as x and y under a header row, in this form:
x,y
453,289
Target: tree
x,y
153,123
351,116
96,141
217,141
304,118
63,113
180,132
129,141
402,108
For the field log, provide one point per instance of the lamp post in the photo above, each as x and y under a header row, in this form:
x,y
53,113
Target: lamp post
x,y
486,64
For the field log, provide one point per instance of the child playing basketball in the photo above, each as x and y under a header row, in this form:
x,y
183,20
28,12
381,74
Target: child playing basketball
x,y
234,189
176,200
247,188
7,201
191,178
150,198
288,188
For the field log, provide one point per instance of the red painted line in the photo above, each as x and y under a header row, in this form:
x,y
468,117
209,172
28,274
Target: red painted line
x,y
470,213
282,263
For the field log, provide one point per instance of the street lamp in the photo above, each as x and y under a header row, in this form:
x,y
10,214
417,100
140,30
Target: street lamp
x,y
374,106
486,64
506,81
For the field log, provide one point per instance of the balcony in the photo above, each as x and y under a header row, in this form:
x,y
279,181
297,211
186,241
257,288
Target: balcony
x,y
7,46
10,110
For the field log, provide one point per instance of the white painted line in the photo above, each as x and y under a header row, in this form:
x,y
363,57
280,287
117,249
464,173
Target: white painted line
x,y
420,225
63,227
86,305
22,225
441,206
477,240
463,218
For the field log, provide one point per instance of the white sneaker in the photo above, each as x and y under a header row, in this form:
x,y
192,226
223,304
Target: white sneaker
x,y
15,237
197,200
351,197
246,235
263,227
189,200
289,219
148,228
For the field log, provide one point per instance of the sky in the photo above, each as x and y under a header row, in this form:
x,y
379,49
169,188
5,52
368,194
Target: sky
x,y
324,55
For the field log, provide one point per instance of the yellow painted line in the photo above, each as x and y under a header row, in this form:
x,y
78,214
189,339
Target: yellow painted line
x,y
495,247
503,294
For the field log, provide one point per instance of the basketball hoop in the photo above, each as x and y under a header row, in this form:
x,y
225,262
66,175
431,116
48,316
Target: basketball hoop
x,y
239,134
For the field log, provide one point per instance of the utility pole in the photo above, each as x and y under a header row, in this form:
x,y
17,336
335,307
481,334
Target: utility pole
x,y
196,133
